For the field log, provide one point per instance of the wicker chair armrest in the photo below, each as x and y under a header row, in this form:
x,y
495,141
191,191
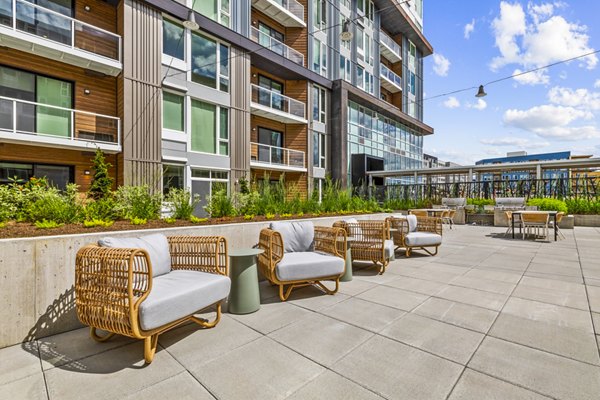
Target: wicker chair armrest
x,y
199,253
331,240
429,224
272,243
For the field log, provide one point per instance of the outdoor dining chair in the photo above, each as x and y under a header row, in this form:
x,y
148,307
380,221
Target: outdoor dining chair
x,y
448,217
559,217
534,223
518,222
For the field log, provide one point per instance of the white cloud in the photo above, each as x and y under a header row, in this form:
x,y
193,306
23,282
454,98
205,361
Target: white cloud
x,y
597,84
441,64
578,98
514,142
552,121
537,38
452,102
532,78
480,105
469,28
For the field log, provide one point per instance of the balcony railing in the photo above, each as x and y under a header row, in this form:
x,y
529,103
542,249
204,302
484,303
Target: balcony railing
x,y
276,46
386,73
392,46
24,16
278,102
276,156
286,12
49,124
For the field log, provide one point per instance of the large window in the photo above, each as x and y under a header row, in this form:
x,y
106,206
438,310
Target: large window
x,y
319,104
173,40
316,48
173,177
173,111
217,10
57,175
209,130
205,183
30,118
270,147
210,62
319,150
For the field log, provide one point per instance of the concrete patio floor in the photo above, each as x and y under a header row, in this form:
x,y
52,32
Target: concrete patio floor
x,y
488,318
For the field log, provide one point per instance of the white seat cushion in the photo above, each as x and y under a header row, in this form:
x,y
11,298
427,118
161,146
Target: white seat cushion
x,y
422,239
297,236
157,246
355,229
389,248
308,265
181,293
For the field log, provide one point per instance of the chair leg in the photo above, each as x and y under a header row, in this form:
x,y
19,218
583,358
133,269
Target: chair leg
x,y
326,289
150,344
206,323
407,252
98,338
429,252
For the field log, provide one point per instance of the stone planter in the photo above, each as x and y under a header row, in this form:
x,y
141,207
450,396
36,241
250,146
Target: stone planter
x,y
587,220
480,219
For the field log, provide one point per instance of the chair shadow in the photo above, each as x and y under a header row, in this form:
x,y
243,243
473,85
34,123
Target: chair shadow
x,y
518,236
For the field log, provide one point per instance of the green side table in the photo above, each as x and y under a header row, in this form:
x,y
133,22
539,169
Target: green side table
x,y
347,277
244,297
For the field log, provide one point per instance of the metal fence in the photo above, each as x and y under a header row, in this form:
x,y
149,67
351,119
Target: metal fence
x,y
562,188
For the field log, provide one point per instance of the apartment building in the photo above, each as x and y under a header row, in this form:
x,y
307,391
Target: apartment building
x,y
255,88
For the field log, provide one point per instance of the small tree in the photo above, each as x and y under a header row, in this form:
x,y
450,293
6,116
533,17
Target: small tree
x,y
102,182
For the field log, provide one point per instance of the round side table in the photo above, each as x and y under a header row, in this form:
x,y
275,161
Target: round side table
x,y
347,277
244,297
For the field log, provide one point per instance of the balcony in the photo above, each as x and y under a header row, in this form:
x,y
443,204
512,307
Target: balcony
x,y
389,80
37,124
276,158
276,46
389,49
38,30
288,13
270,104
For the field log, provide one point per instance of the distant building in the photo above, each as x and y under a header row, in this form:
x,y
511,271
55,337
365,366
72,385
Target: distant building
x,y
521,157
430,161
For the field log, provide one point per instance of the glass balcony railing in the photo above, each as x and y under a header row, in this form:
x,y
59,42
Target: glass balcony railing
x,y
390,44
21,117
276,46
292,6
276,156
386,73
24,16
277,101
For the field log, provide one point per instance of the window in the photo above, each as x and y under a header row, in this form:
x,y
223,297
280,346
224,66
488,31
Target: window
x,y
173,111
173,177
270,97
270,146
367,47
206,182
323,59
360,43
345,71
173,40
412,56
360,6
319,104
318,150
411,81
209,129
316,64
205,66
319,14
26,86
57,175
217,10
266,36
360,78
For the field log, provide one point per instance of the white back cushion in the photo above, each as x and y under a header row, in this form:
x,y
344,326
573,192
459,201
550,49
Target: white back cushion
x,y
412,222
297,236
156,245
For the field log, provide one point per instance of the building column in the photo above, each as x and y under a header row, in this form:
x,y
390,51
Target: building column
x,y
338,126
239,117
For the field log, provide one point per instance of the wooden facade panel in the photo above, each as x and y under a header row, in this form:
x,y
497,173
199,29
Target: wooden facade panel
x,y
100,14
80,160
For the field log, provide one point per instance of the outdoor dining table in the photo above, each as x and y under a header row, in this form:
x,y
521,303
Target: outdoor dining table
x,y
551,213
432,212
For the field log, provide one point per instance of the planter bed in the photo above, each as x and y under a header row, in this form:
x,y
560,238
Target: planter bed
x,y
480,219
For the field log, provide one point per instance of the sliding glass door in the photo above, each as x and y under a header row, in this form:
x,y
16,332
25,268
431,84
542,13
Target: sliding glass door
x,y
51,121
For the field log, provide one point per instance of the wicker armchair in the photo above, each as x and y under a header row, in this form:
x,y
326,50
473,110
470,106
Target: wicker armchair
x,y
414,232
370,241
117,290
298,254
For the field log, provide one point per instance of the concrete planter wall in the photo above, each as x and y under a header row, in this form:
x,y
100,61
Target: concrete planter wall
x,y
480,219
587,220
37,275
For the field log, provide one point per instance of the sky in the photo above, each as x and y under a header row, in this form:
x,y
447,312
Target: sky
x,y
479,41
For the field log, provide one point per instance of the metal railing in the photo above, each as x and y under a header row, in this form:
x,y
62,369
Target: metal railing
x,y
292,6
273,155
278,101
386,73
21,117
42,22
390,44
584,187
276,46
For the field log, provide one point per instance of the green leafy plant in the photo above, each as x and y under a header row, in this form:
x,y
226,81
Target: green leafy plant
x,y
548,204
248,217
196,220
104,209
138,221
52,205
220,204
2,225
138,202
181,203
45,224
101,182
583,206
270,216
170,220
286,215
97,222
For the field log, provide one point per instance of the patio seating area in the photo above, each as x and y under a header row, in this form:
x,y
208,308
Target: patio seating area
x,y
488,317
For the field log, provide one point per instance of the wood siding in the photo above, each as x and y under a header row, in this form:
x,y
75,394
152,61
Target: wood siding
x,y
140,93
101,15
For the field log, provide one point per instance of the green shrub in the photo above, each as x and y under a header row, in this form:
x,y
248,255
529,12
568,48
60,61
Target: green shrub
x,y
45,224
270,216
104,209
8,207
220,205
170,220
248,217
196,220
548,204
138,221
583,206
52,205
2,225
102,182
96,222
137,202
181,203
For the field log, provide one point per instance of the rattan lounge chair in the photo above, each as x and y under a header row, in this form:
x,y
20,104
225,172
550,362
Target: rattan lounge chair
x,y
142,287
370,241
298,254
413,232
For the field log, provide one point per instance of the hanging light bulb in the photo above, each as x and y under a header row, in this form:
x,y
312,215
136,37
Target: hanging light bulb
x,y
191,23
481,92
345,34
